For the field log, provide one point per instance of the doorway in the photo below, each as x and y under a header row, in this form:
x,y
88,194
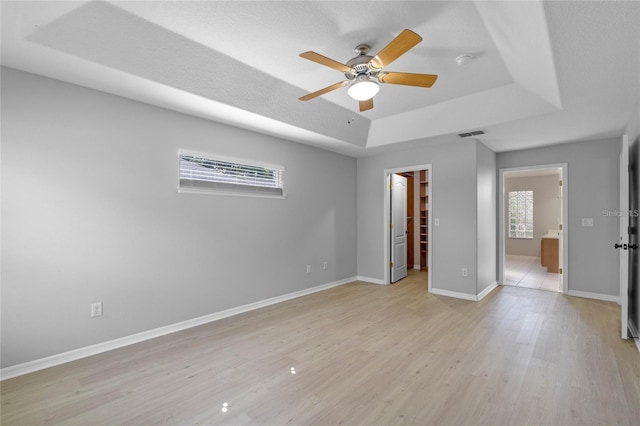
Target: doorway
x,y
629,243
532,237
417,223
633,291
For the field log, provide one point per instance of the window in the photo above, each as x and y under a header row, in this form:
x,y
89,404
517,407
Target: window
x,y
521,214
215,174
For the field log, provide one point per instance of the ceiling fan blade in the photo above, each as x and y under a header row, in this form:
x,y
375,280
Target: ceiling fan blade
x,y
323,91
408,79
323,60
366,105
396,48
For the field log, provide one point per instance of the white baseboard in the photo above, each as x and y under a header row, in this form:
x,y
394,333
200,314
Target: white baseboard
x,y
53,360
487,290
466,296
596,296
455,294
369,280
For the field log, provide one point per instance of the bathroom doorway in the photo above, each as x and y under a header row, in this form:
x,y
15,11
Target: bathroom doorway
x,y
533,248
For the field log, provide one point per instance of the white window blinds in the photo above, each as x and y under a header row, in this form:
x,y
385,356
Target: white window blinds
x,y
209,173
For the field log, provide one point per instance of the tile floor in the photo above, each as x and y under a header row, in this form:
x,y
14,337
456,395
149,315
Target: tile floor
x,y
527,272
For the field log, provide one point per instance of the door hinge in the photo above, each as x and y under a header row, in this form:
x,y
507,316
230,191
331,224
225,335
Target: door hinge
x,y
391,226
391,265
391,186
560,227
560,182
560,271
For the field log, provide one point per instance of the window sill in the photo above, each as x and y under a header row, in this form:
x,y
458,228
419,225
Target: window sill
x,y
230,193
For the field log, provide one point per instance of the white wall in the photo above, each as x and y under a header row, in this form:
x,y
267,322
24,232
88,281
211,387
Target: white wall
x,y
487,217
90,212
453,201
546,211
593,185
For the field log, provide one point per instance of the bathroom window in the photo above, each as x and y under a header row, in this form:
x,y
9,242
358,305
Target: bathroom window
x,y
521,214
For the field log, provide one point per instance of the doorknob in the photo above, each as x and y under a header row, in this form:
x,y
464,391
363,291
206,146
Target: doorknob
x,y
633,246
622,246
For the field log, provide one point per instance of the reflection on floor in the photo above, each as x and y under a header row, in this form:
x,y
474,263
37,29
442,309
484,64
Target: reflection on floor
x,y
524,271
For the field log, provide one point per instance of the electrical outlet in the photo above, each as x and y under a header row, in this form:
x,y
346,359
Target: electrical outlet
x,y
587,222
96,309
325,265
465,272
308,269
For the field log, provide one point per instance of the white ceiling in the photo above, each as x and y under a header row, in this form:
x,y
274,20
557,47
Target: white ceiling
x,y
542,73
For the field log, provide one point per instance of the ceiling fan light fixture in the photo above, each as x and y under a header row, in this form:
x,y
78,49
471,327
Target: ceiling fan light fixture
x,y
363,89
364,72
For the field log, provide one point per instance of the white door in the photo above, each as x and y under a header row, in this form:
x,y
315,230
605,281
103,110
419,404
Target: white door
x,y
623,244
398,227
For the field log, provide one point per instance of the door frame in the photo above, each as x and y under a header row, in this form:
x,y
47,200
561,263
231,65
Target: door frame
x,y
564,252
386,220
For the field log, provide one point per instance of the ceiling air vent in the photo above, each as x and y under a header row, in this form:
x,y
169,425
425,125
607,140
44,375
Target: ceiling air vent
x,y
473,133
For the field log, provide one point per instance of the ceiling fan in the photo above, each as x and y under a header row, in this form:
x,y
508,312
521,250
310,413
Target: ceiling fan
x,y
364,72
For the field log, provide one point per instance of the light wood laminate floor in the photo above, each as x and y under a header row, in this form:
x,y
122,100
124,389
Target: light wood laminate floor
x,y
362,354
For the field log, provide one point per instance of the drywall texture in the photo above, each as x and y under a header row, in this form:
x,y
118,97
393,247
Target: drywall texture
x,y
453,182
593,185
546,211
90,212
487,218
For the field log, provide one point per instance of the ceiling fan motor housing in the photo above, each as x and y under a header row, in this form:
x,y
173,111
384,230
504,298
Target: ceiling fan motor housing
x,y
360,64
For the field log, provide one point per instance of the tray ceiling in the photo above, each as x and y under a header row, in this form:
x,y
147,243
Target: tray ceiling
x,y
541,73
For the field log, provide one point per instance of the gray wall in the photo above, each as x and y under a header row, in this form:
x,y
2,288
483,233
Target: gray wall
x,y
593,185
546,211
90,212
453,201
487,218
